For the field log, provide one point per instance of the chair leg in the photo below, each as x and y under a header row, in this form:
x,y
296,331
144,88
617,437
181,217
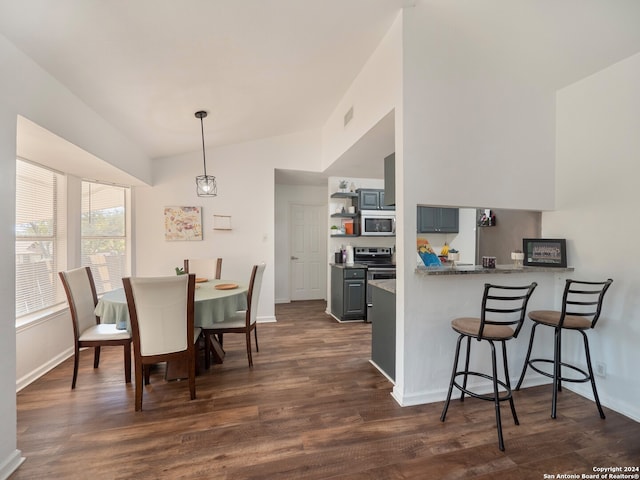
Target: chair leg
x,y
526,360
207,350
496,398
466,369
593,382
556,372
192,376
255,334
560,361
453,377
96,357
139,387
127,363
76,359
508,382
248,337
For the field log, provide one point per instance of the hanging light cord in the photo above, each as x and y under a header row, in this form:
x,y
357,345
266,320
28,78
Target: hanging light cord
x,y
204,158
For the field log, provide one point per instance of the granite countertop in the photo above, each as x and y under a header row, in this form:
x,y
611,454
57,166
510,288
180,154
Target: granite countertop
x,y
388,284
479,269
344,265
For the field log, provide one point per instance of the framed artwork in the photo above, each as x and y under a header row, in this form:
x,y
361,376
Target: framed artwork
x,y
545,252
182,223
222,222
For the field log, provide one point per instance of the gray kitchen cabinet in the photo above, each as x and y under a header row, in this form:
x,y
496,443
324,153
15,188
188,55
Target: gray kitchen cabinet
x,y
390,181
348,293
438,220
372,199
382,315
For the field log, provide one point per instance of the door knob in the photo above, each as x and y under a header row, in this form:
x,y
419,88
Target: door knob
x,y
294,258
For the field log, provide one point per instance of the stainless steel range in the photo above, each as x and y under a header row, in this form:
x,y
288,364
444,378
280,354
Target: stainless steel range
x,y
379,264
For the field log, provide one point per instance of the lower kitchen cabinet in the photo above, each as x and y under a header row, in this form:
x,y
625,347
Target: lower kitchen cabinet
x,y
348,293
382,315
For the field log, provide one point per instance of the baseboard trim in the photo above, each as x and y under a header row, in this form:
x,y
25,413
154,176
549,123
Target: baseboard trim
x,y
11,464
42,369
382,371
433,396
266,319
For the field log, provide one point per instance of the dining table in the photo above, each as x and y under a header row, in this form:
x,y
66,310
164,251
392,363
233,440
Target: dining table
x,y
215,300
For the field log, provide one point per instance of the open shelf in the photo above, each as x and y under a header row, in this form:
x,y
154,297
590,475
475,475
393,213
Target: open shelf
x,y
344,195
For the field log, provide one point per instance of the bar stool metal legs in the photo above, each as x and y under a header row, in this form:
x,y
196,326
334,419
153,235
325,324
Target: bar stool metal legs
x,y
581,307
497,301
495,396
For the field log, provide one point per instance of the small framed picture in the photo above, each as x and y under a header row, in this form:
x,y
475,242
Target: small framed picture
x,y
544,252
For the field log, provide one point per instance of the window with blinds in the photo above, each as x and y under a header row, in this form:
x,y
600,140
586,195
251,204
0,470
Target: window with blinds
x,y
40,242
104,234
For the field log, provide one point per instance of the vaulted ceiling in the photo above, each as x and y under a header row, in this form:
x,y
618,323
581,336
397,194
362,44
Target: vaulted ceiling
x,y
260,67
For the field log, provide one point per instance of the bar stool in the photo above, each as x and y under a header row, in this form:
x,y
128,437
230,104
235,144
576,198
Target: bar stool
x,y
581,306
501,318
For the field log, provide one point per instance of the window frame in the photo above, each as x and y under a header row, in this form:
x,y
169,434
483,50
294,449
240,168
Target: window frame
x,y
126,237
57,239
69,235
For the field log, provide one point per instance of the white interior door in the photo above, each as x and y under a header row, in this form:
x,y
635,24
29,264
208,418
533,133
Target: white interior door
x,y
308,252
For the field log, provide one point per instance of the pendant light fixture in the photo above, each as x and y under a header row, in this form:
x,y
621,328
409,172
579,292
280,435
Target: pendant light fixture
x,y
206,184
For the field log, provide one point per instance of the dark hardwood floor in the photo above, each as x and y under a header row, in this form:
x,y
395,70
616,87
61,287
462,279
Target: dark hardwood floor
x,y
311,408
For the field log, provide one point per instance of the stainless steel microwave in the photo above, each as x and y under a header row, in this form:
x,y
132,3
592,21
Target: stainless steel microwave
x,y
377,223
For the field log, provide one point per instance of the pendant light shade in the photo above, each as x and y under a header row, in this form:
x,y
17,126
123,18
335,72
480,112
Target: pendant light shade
x,y
205,184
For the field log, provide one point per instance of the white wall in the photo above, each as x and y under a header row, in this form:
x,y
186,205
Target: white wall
x,y
597,171
27,90
287,195
10,456
472,124
473,110
246,192
37,96
373,94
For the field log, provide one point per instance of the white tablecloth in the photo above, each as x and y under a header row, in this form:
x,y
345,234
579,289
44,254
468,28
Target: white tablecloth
x,y
212,305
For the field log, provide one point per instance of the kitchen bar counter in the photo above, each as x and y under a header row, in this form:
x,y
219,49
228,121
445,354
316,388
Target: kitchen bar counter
x,y
346,266
478,269
438,295
382,315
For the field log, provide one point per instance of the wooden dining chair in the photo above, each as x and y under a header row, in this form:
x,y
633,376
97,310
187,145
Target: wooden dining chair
x,y
243,321
204,267
161,310
87,330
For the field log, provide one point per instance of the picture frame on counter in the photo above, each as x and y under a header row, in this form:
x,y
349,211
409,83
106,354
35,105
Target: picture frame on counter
x,y
545,252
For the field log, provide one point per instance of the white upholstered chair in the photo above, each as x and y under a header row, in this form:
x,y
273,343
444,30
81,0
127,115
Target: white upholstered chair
x,y
204,267
87,330
243,321
161,310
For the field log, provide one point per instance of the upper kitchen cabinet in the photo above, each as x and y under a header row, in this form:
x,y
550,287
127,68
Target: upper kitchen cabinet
x,y
372,199
438,220
390,180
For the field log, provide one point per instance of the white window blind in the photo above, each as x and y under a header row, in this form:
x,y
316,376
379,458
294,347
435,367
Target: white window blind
x,y
104,234
39,195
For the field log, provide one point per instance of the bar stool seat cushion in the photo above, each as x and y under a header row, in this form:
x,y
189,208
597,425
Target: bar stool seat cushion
x,y
471,326
552,318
